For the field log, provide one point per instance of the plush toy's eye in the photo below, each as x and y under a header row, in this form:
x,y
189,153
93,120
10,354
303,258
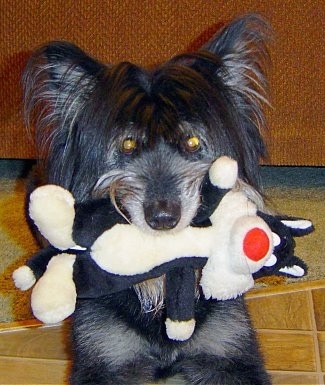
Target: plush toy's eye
x,y
192,143
129,145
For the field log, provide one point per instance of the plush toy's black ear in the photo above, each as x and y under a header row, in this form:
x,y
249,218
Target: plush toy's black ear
x,y
294,268
298,227
291,267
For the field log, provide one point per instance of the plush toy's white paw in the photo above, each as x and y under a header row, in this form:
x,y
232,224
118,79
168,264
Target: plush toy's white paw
x,y
52,210
271,261
179,330
23,278
54,295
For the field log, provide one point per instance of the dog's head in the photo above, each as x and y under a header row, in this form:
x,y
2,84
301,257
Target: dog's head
x,y
149,136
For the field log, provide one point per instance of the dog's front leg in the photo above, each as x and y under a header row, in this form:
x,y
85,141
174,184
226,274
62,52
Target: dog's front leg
x,y
223,349
109,349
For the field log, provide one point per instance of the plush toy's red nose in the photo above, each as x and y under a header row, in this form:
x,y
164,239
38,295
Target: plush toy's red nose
x,y
256,244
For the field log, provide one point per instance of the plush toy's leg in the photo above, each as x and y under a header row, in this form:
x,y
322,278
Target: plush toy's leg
x,y
25,276
54,295
180,297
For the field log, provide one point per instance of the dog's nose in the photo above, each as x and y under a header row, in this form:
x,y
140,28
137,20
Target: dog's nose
x,y
162,214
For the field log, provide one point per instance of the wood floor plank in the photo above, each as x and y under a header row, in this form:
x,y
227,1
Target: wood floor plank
x,y
32,371
289,311
288,351
294,379
321,344
319,308
285,288
35,342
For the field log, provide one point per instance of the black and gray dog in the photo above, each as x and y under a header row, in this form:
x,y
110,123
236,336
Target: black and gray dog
x,y
148,137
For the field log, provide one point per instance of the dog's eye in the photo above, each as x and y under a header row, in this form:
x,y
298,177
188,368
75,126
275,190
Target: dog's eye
x,y
129,145
192,143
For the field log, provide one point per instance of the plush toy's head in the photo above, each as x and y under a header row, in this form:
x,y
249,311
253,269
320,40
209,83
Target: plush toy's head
x,y
283,261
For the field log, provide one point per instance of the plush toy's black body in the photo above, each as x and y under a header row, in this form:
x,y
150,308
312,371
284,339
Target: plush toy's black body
x,y
149,137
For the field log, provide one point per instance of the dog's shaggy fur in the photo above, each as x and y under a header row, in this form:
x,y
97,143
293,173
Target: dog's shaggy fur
x,y
147,137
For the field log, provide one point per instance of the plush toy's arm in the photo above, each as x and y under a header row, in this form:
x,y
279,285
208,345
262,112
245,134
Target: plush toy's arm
x,y
220,179
242,242
67,224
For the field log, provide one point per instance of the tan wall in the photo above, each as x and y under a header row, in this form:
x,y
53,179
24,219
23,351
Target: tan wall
x,y
150,31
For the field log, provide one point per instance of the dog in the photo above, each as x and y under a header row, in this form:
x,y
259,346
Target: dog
x,y
147,137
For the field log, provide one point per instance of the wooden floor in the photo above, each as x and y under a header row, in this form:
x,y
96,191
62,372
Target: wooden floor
x,y
290,322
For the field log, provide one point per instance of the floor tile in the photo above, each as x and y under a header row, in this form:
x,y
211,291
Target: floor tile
x,y
289,311
288,350
319,308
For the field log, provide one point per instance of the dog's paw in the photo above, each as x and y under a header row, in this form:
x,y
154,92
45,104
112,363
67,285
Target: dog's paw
x,y
52,210
23,278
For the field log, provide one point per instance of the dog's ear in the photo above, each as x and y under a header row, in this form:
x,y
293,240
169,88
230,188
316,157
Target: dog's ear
x,y
242,48
238,57
57,80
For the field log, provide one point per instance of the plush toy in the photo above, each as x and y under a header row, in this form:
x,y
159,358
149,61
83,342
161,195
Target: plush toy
x,y
237,244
